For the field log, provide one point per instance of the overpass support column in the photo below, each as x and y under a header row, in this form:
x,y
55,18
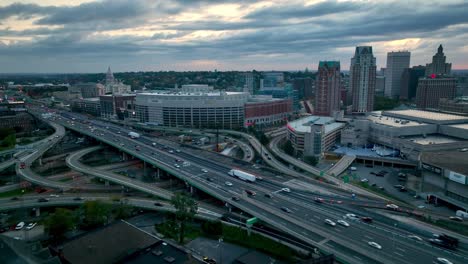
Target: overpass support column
x,y
106,183
124,156
158,173
144,168
38,211
40,161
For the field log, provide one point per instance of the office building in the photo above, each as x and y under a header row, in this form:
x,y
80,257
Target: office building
x,y
327,88
88,90
379,85
409,81
272,80
396,63
304,87
117,106
362,79
313,135
438,65
249,82
431,89
90,106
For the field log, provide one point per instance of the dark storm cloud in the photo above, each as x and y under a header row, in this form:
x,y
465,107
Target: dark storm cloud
x,y
24,11
301,11
278,31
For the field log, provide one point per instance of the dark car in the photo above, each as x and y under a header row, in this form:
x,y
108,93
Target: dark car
x,y
398,186
285,209
251,193
318,200
366,219
235,198
403,189
42,200
268,195
209,179
77,199
158,204
14,198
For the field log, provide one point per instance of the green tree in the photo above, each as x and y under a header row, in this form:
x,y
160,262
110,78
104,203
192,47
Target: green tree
x,y
122,211
95,213
4,132
186,208
288,148
58,223
263,138
311,160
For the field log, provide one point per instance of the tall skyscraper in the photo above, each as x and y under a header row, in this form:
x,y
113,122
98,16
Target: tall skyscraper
x,y
327,88
396,63
438,65
362,79
249,82
409,81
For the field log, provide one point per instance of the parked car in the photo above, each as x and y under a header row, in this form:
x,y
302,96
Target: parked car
x,y
19,226
31,226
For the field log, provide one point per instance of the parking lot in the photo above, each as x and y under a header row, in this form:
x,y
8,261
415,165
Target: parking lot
x,y
390,180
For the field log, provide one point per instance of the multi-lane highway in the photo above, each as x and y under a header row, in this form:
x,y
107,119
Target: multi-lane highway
x,y
302,217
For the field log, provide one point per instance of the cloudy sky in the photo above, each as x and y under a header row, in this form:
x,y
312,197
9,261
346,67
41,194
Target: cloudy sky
x,y
143,35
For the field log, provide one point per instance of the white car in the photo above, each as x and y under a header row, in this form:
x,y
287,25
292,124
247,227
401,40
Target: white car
x,y
19,226
343,223
55,195
415,237
177,165
204,170
392,206
330,222
31,226
351,217
375,245
364,180
228,183
286,190
444,261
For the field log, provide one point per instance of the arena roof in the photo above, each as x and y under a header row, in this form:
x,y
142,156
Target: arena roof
x,y
427,116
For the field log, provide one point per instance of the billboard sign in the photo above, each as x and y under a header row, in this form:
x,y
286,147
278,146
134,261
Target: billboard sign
x,y
457,177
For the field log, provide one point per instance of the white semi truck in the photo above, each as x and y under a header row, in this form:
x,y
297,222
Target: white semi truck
x,y
242,175
133,135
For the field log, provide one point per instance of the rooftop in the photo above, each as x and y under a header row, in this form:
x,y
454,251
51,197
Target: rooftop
x,y
454,160
378,118
303,125
432,139
108,244
427,116
161,253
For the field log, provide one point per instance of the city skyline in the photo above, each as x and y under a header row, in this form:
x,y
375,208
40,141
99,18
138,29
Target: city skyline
x,y
141,35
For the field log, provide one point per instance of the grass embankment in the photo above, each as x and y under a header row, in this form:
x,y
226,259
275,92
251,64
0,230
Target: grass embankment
x,y
17,192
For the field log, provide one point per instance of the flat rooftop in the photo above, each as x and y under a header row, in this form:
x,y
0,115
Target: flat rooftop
x,y
432,139
427,116
378,118
454,160
303,125
181,93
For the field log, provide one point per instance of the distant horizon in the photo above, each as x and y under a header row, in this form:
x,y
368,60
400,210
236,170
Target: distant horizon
x,y
104,72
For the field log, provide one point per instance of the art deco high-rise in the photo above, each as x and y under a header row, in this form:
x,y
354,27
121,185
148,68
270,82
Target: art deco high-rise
x,y
438,65
397,62
362,79
327,88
